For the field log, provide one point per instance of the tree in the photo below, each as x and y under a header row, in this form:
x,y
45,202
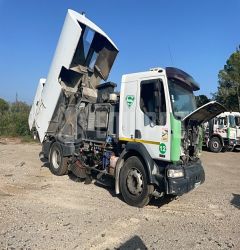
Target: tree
x,y
228,92
14,119
201,100
4,106
20,112
20,107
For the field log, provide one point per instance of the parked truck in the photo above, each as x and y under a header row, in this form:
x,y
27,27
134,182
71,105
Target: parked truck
x,y
237,123
222,133
147,138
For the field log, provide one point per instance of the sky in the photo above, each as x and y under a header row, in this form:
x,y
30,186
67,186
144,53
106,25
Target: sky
x,y
195,36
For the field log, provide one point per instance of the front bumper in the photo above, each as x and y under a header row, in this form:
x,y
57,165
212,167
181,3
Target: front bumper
x,y
193,176
230,142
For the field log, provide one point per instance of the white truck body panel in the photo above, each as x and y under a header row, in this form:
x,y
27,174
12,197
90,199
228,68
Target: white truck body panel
x,y
35,106
155,135
132,118
63,56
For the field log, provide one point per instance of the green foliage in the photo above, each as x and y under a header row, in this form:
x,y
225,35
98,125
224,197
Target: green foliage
x,y
14,119
228,92
20,107
4,106
201,100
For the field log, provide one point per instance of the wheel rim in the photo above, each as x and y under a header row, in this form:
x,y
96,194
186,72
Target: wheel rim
x,y
56,159
215,145
135,181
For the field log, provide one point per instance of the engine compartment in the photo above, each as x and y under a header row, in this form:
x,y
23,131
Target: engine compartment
x,y
191,141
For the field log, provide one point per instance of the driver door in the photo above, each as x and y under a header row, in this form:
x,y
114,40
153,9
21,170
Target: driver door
x,y
152,123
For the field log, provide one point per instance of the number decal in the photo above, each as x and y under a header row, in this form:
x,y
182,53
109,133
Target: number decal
x,y
162,148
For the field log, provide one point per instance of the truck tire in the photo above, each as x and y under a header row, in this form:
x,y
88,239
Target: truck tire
x,y
58,163
230,148
215,145
133,183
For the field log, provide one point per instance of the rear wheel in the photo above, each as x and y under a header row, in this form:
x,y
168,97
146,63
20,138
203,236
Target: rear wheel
x,y
215,145
133,183
58,163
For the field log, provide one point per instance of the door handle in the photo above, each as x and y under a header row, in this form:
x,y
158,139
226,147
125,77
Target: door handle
x,y
138,134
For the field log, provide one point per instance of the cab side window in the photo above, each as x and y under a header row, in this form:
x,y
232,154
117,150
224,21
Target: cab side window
x,y
152,101
222,121
237,120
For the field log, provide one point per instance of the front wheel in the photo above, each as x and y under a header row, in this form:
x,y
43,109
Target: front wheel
x,y
58,163
215,145
133,183
230,148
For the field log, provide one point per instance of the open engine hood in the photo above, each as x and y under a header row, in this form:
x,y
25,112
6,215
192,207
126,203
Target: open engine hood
x,y
205,112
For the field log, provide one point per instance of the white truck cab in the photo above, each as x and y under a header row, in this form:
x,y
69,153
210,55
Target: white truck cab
x,y
222,132
153,102
237,122
147,138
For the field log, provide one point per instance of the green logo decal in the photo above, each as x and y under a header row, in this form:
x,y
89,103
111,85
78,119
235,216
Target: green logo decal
x,y
130,99
162,148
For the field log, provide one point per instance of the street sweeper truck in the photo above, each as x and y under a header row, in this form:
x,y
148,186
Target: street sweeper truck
x,y
147,137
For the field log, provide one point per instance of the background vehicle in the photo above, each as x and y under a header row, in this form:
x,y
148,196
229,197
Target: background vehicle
x,y
147,137
221,132
237,123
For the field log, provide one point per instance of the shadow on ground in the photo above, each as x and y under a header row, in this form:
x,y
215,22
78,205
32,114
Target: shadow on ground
x,y
135,243
236,200
108,184
162,201
43,160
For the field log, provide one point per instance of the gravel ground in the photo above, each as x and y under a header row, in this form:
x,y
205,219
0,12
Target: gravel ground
x,y
41,211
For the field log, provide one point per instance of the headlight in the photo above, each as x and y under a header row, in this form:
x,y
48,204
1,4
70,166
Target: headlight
x,y
175,173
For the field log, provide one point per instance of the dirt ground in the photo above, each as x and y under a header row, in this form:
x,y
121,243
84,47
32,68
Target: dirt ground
x,y
41,211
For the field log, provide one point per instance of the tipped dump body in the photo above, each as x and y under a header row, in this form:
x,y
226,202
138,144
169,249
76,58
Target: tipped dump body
x,y
36,103
82,44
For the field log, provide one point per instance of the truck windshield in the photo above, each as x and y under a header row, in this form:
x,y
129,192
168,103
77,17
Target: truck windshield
x,y
232,123
182,98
